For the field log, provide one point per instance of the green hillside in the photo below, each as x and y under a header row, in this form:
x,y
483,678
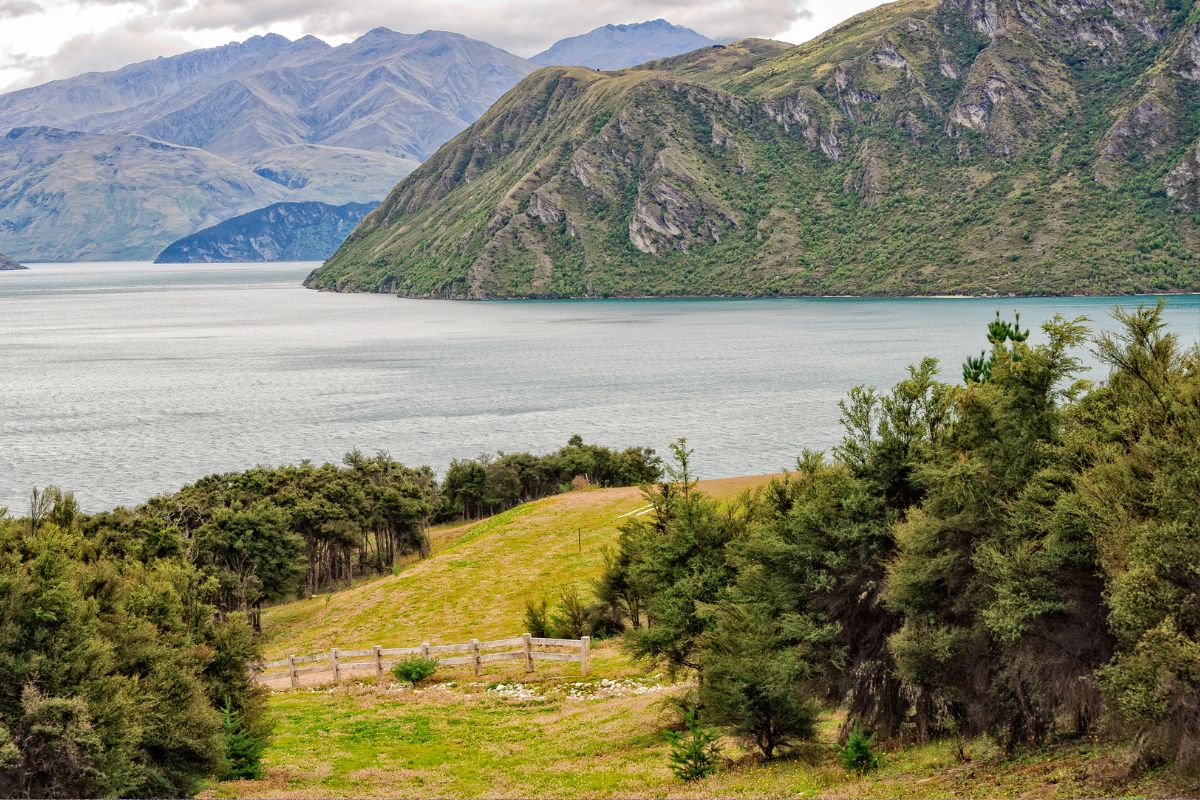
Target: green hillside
x,y
924,147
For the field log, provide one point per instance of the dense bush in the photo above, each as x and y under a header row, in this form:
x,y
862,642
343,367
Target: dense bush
x,y
115,665
1014,556
414,670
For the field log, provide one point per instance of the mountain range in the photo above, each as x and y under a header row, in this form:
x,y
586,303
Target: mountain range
x,y
116,165
924,147
281,232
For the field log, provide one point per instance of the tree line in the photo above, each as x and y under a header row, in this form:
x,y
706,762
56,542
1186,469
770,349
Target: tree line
x,y
1016,555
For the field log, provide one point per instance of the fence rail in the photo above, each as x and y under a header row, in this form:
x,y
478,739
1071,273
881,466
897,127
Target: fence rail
x,y
339,663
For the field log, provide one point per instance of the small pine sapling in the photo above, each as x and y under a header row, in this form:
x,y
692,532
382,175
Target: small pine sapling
x,y
694,751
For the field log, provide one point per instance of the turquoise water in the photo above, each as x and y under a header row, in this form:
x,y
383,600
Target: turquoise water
x,y
120,381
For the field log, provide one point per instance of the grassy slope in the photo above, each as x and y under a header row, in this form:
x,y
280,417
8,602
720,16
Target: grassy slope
x,y
456,738
477,582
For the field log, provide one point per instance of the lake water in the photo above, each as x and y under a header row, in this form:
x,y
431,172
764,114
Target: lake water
x,y
121,381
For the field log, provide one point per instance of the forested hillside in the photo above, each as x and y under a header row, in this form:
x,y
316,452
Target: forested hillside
x,y
925,147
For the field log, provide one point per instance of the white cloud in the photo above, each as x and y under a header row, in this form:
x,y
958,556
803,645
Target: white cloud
x,y
46,39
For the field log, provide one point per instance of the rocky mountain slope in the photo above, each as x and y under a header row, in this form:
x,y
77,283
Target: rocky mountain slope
x,y
620,46
927,146
7,263
281,232
328,124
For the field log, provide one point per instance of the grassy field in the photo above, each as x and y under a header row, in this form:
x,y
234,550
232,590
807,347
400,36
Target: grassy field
x,y
554,734
556,740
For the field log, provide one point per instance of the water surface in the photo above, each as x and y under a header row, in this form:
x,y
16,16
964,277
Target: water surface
x,y
125,380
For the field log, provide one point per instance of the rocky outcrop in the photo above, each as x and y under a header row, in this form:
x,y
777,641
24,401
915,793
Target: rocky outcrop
x,y
7,263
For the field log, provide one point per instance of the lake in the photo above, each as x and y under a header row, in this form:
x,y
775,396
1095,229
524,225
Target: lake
x,y
124,380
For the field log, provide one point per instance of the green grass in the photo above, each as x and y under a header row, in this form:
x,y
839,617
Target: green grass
x,y
462,741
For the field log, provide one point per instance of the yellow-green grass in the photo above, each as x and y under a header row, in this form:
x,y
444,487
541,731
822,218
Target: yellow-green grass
x,y
462,741
478,580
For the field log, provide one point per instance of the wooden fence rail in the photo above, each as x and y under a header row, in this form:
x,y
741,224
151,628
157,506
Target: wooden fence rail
x,y
380,660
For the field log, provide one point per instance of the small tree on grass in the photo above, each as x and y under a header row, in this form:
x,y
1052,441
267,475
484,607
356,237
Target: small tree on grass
x,y
243,747
414,670
694,751
856,753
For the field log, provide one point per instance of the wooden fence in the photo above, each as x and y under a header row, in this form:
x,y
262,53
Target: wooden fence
x,y
379,660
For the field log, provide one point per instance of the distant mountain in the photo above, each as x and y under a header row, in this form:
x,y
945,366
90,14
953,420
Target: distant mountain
x,y
7,263
281,232
71,196
924,147
619,46
275,119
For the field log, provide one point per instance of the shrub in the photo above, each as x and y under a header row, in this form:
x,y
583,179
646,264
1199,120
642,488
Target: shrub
x,y
694,751
537,618
243,746
856,753
414,670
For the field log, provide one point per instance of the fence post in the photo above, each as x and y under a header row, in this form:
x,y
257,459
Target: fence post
x,y
528,653
337,670
425,650
292,672
475,657
585,647
378,664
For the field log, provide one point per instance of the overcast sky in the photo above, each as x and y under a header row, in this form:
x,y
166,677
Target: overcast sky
x,y
41,40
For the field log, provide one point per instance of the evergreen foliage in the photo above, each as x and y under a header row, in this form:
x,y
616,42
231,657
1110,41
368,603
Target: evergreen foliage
x,y
694,751
414,670
1015,556
856,753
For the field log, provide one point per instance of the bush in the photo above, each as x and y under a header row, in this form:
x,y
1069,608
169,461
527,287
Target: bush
x,y
694,751
414,670
243,746
537,618
856,753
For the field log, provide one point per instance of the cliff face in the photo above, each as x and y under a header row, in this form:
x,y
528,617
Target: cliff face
x,y
975,146
282,232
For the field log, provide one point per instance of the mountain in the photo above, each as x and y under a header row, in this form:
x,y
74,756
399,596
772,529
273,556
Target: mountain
x,y
924,147
619,46
7,263
72,196
337,124
281,232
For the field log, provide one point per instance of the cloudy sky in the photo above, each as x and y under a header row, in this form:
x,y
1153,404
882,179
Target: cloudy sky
x,y
41,40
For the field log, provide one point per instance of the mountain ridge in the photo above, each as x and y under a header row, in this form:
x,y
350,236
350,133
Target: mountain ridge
x,y
924,147
304,231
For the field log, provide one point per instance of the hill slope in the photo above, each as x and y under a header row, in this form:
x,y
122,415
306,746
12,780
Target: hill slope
x,y
477,581
926,146
620,46
282,232
70,196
